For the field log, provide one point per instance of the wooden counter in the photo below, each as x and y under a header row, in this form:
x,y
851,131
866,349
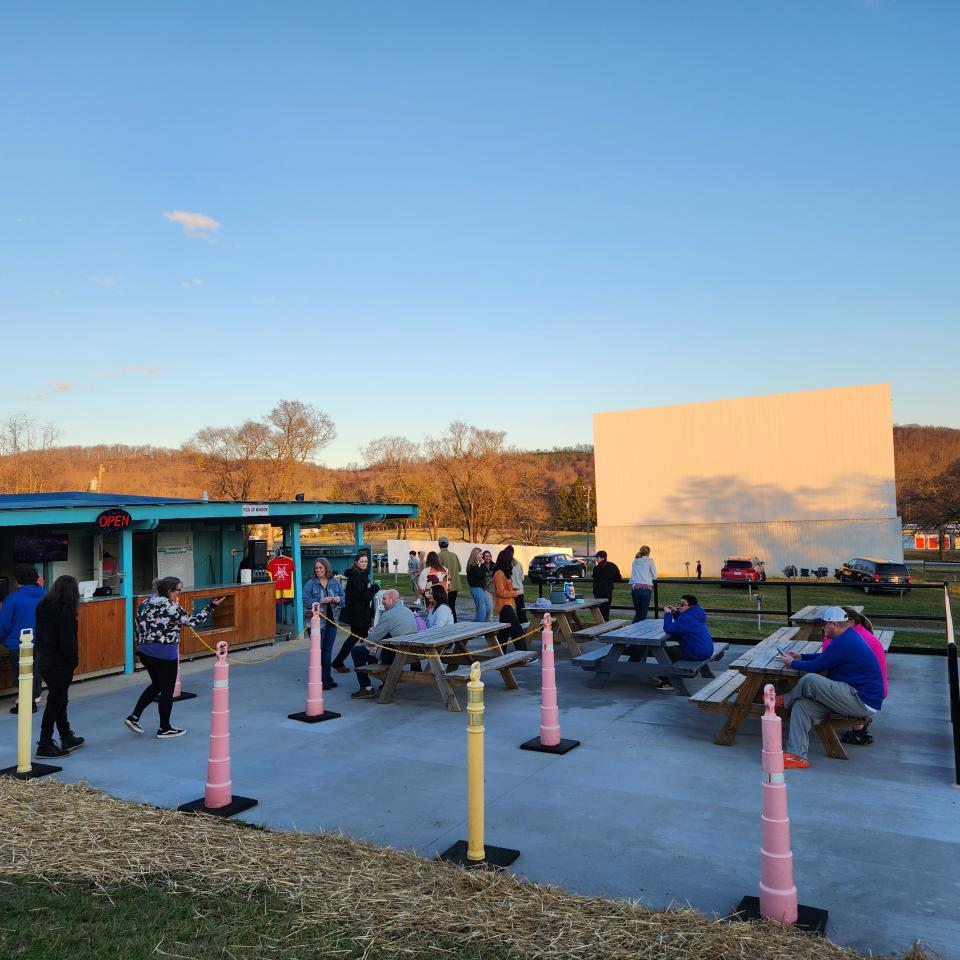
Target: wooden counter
x,y
246,618
100,632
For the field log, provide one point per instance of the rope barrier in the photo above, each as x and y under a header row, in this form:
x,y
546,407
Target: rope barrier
x,y
497,645
293,645
443,656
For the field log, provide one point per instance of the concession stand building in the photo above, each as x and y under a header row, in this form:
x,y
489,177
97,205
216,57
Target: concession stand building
x,y
117,544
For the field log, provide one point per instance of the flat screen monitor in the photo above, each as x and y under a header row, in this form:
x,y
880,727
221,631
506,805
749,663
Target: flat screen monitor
x,y
39,547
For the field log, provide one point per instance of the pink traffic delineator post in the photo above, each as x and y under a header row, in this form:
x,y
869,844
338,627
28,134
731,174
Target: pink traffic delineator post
x,y
178,693
315,712
549,740
218,795
778,895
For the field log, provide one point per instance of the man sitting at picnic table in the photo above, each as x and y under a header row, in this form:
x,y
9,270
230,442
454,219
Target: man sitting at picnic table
x,y
854,687
688,623
395,621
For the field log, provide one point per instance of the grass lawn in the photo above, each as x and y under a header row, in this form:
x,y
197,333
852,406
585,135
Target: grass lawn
x,y
54,921
909,633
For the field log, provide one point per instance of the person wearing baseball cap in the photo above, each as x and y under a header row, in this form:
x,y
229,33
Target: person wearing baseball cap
x,y
845,678
452,562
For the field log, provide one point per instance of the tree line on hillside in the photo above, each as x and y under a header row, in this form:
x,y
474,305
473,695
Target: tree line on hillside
x,y
467,477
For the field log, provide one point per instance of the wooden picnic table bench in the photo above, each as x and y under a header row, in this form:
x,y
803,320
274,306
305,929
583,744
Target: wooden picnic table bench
x,y
598,629
810,620
566,618
448,659
639,642
738,693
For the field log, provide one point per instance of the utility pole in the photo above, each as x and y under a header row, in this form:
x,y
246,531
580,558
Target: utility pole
x,y
589,514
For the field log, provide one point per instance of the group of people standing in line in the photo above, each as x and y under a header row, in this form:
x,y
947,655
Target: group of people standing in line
x,y
52,615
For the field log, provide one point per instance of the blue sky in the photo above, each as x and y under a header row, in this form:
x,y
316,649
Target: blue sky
x,y
514,214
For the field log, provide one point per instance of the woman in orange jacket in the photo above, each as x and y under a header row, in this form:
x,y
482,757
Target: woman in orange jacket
x,y
504,594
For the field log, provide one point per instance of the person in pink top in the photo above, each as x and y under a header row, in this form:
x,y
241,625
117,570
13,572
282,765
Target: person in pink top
x,y
859,735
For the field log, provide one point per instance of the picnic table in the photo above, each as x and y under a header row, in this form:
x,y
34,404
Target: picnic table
x,y
809,620
566,619
640,642
738,693
435,646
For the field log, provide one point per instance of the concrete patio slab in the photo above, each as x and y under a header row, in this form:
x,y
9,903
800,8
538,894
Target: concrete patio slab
x,y
648,808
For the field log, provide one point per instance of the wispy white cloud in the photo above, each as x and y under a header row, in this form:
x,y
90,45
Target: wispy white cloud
x,y
54,386
192,282
194,224
105,281
146,371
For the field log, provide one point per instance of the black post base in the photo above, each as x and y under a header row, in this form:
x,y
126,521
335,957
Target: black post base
x,y
564,746
36,770
809,919
236,805
185,696
319,718
495,857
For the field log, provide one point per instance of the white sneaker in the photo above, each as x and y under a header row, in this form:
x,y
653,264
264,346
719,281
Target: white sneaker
x,y
170,734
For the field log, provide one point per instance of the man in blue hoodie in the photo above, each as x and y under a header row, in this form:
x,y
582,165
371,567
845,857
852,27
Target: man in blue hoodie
x,y
688,623
854,687
19,612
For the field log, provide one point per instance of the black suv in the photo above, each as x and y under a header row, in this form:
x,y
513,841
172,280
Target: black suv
x,y
875,575
555,566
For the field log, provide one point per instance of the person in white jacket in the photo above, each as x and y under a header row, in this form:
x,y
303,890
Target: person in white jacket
x,y
643,572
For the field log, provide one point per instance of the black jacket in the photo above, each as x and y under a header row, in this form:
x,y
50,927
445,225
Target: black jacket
x,y
605,575
357,611
56,643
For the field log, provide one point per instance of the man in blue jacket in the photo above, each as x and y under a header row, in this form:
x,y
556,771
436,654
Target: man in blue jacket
x,y
688,623
19,612
854,687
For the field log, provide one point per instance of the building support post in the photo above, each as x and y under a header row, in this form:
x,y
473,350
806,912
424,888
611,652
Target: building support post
x,y
126,591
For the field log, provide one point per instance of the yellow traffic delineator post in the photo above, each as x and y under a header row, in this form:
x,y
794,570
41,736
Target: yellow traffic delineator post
x,y
472,852
25,769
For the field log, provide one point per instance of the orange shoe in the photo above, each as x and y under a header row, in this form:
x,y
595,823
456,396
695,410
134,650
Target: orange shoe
x,y
792,762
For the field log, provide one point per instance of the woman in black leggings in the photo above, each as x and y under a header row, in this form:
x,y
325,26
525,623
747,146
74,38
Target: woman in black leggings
x,y
159,619
357,613
57,657
504,597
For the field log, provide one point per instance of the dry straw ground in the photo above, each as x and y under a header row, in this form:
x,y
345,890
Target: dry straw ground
x,y
394,904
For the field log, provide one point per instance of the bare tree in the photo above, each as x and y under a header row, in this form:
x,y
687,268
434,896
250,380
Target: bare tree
x,y
472,462
261,458
300,432
399,469
24,445
933,502
233,459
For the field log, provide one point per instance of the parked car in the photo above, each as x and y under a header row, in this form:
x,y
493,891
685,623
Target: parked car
x,y
555,566
743,570
875,575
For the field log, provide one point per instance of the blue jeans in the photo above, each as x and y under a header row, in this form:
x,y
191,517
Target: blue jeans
x,y
641,602
327,639
480,600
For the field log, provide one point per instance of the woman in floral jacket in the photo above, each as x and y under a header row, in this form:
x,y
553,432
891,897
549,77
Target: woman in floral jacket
x,y
158,622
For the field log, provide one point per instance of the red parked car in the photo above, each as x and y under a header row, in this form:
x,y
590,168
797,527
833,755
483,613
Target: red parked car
x,y
743,570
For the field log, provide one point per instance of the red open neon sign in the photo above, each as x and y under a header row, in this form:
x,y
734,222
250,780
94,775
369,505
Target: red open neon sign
x,y
114,519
